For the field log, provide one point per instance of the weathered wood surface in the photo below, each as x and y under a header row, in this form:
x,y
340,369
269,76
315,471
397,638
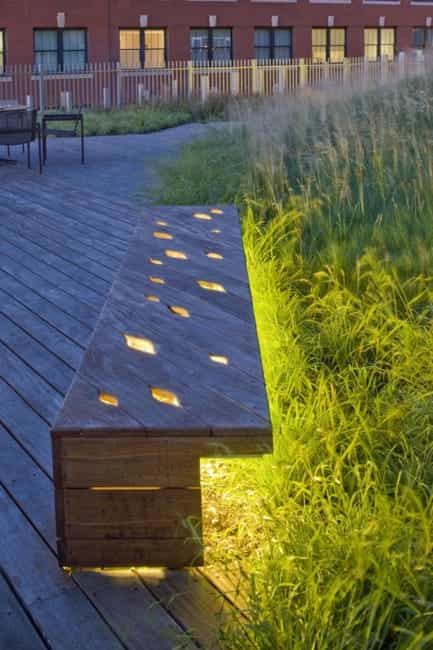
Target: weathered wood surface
x,y
131,461
65,228
214,399
16,631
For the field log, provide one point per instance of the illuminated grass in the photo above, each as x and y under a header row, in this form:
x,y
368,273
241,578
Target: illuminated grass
x,y
333,535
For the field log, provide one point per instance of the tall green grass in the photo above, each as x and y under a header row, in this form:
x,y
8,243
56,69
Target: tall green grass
x,y
332,535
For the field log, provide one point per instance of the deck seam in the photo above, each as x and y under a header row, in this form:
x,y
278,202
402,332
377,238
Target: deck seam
x,y
26,612
38,315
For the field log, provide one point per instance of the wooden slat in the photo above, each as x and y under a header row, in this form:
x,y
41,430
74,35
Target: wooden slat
x,y
59,235
192,601
170,462
87,462
45,308
129,513
35,355
175,553
37,392
49,290
16,631
49,336
67,618
61,246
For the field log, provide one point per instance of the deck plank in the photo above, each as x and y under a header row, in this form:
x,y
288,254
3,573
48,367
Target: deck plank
x,y
66,237
63,613
55,260
61,246
53,274
54,370
50,337
45,308
16,631
81,311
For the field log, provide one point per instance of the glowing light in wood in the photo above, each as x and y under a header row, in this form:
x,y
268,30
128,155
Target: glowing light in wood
x,y
152,260
155,280
152,298
162,235
110,400
139,344
216,231
126,488
217,211
180,311
202,215
218,358
214,256
176,255
211,286
161,223
165,396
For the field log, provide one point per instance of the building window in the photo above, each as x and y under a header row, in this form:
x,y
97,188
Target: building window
x,y
422,38
271,44
2,51
142,48
60,50
329,44
213,44
379,42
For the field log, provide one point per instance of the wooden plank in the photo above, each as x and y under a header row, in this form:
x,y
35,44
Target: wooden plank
x,y
63,238
16,630
85,221
123,600
174,553
106,215
192,601
86,462
45,309
66,617
37,392
170,462
54,370
181,349
129,513
56,275
143,623
29,428
42,331
49,290
24,241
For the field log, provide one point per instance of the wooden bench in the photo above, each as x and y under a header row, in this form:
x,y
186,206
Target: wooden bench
x,y
172,374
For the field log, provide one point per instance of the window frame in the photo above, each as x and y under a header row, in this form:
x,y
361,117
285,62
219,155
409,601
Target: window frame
x,y
328,44
4,52
271,47
379,31
210,47
142,46
60,48
425,30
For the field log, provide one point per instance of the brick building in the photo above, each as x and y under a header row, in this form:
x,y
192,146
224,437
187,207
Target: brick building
x,y
146,34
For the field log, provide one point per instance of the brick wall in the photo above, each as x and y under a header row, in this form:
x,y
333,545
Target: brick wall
x,y
103,18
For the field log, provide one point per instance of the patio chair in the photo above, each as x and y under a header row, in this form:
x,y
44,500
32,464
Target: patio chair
x,y
74,119
20,127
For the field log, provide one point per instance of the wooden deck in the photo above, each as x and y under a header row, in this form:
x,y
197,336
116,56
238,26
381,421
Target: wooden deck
x,y
60,248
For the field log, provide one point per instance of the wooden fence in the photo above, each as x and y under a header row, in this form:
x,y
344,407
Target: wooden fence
x,y
105,85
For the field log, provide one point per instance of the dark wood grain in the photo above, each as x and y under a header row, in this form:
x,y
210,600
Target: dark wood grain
x,y
214,399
